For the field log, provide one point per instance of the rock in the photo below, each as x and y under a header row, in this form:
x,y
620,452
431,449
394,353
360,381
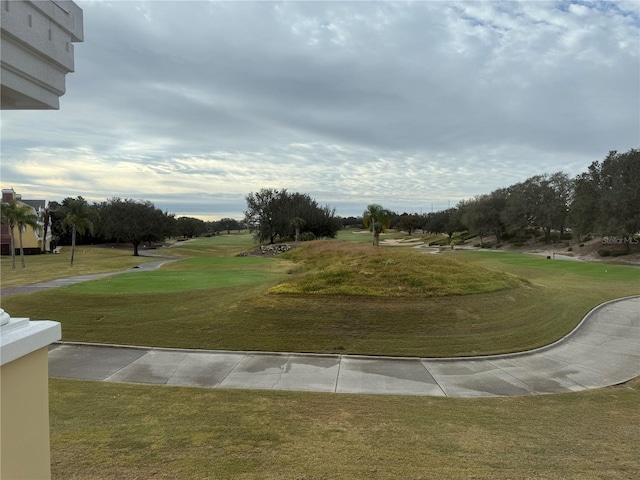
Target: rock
x,y
269,250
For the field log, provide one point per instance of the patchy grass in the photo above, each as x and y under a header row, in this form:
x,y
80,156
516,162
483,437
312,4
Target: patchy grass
x,y
87,260
227,307
339,268
122,431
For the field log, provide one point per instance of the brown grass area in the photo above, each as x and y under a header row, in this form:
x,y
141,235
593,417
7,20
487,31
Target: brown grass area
x,y
120,431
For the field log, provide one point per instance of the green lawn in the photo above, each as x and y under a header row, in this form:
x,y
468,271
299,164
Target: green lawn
x,y
215,300
191,274
123,431
87,260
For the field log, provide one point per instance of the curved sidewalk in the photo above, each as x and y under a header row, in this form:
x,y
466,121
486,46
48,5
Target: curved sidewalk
x,y
62,282
603,350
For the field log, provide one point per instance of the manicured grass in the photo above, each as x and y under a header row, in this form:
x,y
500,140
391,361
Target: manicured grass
x,y
123,431
224,244
87,260
222,314
191,274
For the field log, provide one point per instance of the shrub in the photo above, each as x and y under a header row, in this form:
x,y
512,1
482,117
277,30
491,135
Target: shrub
x,y
306,237
618,253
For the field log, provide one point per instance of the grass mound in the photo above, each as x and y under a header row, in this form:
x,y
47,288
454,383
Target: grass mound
x,y
342,268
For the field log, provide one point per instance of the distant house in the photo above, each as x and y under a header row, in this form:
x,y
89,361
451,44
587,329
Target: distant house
x,y
31,238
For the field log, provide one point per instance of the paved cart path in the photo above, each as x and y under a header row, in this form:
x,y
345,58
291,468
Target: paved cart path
x,y
603,350
61,282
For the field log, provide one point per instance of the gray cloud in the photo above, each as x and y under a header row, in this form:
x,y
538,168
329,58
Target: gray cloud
x,y
195,104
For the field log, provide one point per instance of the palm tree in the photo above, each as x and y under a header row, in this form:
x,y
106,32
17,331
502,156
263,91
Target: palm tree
x,y
378,218
18,215
298,223
78,217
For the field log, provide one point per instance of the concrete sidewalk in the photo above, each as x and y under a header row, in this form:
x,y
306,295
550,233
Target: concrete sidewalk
x,y
603,350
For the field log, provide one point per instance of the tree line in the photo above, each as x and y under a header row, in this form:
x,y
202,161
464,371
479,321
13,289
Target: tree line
x,y
603,201
115,220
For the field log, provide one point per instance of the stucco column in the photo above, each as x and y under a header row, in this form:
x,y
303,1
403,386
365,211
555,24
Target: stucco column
x,y
24,397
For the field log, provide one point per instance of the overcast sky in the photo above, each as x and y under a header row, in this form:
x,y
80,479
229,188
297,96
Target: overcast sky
x,y
413,105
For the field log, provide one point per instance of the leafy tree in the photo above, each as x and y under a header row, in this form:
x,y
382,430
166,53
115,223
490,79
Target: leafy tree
x,y
270,213
563,191
407,222
584,211
619,178
77,216
541,201
377,218
134,222
261,213
606,196
476,217
482,215
229,224
446,221
351,221
17,215
190,227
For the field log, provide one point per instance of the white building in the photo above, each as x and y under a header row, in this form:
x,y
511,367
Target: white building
x,y
36,52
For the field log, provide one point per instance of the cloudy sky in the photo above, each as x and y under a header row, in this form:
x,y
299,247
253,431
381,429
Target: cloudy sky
x,y
413,105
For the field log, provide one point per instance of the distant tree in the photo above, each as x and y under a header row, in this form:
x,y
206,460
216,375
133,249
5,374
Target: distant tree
x,y
408,222
78,218
563,188
541,202
482,215
190,227
377,219
351,221
229,224
619,178
262,208
584,211
270,213
17,215
297,223
134,222
446,221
